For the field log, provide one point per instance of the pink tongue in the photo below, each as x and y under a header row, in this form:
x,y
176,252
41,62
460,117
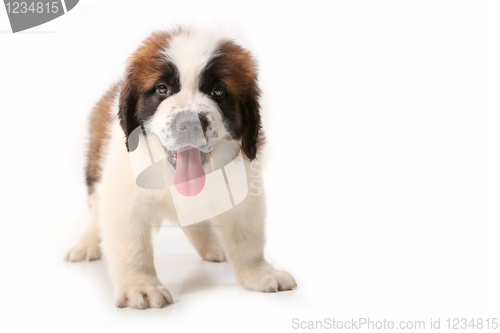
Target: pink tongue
x,y
189,178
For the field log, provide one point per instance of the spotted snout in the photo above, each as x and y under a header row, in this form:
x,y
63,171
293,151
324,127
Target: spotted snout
x,y
190,128
187,129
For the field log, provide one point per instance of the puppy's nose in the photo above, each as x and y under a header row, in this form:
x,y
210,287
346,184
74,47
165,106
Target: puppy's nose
x,y
188,129
188,126
188,123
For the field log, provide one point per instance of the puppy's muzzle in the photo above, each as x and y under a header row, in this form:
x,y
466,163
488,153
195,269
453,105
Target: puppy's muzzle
x,y
190,126
188,129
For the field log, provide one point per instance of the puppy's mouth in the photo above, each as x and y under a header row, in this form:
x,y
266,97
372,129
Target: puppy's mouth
x,y
189,178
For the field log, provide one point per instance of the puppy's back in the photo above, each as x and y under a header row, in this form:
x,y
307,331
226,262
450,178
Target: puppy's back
x,y
99,120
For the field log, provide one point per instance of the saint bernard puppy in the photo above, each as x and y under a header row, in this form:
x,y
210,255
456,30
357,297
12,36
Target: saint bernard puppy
x,y
172,76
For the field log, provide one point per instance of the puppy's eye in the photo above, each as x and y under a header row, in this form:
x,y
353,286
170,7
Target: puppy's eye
x,y
162,89
218,92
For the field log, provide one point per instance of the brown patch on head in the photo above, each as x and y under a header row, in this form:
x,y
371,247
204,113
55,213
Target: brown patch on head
x,y
146,68
148,62
234,69
237,69
99,121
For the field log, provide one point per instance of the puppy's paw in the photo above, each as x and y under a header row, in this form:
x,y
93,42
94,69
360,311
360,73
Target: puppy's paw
x,y
84,251
142,296
215,254
267,280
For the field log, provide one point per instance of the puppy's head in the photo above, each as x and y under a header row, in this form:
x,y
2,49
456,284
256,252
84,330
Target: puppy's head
x,y
191,91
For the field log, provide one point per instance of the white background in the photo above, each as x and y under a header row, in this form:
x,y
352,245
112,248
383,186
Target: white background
x,y
382,167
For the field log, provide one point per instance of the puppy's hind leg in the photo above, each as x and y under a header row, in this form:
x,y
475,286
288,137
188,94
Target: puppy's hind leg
x,y
243,238
87,247
205,240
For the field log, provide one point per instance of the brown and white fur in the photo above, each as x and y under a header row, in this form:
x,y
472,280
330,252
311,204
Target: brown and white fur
x,y
190,64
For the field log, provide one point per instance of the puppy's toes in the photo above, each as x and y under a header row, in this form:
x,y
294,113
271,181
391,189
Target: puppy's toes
x,y
214,254
159,297
83,252
143,296
285,280
267,279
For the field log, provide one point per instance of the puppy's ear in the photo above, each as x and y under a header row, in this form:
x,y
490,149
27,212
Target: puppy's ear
x,y
251,124
127,109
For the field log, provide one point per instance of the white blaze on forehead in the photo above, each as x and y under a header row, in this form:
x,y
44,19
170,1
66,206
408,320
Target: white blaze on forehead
x,y
191,51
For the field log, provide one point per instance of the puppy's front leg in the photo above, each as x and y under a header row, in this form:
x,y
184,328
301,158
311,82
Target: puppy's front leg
x,y
126,243
244,239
